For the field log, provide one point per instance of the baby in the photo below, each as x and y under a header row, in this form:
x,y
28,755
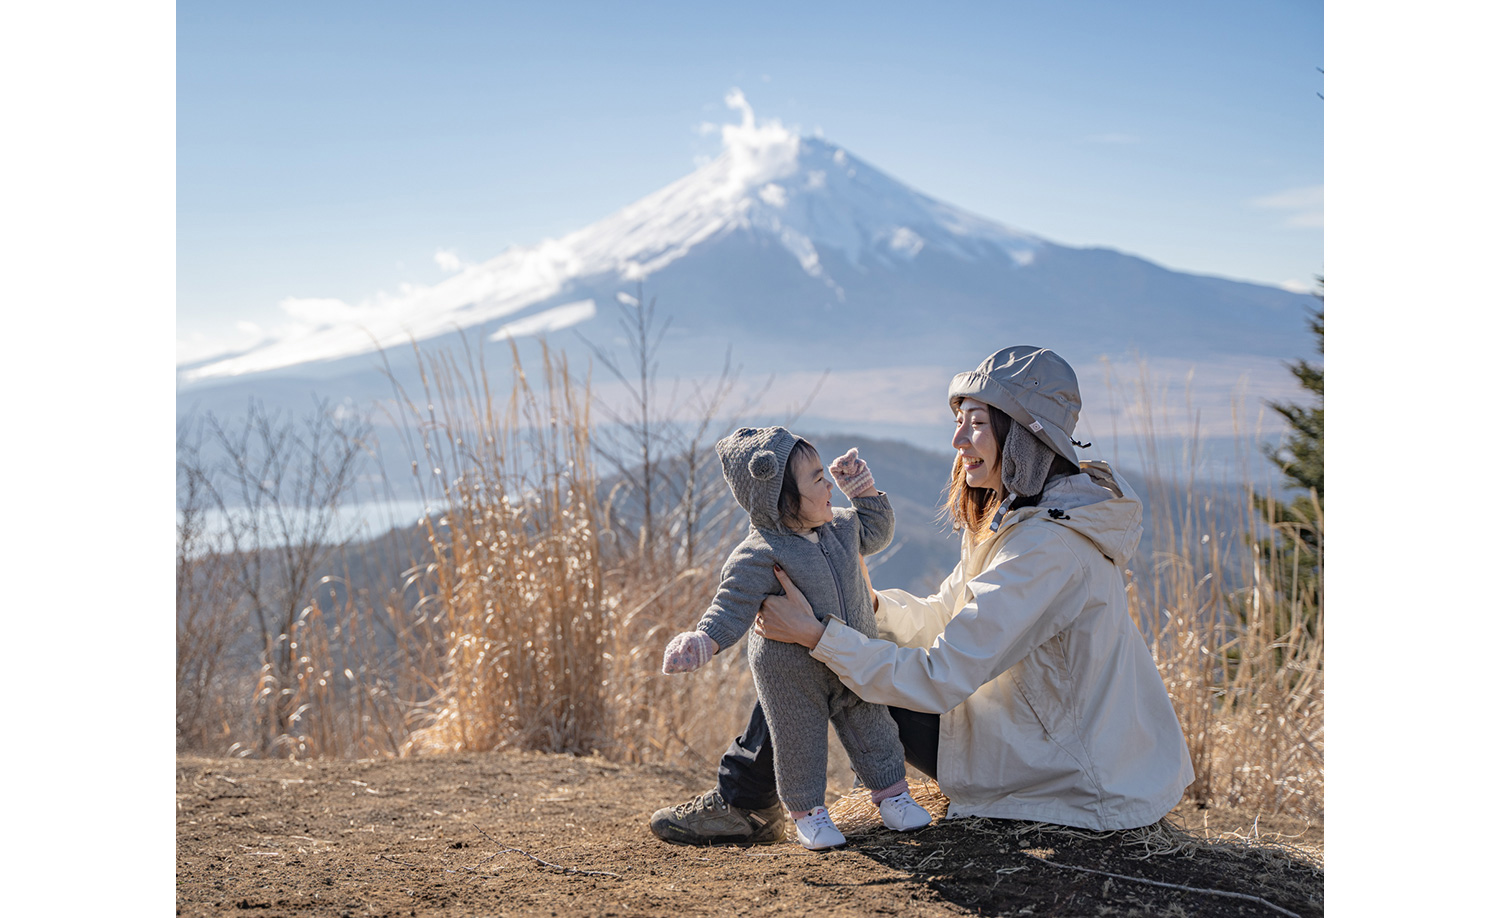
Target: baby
x,y
778,478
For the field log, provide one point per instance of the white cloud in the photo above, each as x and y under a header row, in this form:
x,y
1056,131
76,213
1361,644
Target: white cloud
x,y
756,152
906,241
198,346
774,195
1305,205
318,311
304,316
448,261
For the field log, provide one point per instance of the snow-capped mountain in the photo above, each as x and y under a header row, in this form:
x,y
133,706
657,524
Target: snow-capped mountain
x,y
802,195
806,259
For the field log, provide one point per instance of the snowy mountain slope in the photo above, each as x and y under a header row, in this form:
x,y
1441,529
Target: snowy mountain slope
x,y
801,196
803,259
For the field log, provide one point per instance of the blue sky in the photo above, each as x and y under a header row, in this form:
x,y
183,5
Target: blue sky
x,y
334,149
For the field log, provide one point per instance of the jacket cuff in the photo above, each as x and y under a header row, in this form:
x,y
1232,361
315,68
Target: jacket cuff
x,y
838,641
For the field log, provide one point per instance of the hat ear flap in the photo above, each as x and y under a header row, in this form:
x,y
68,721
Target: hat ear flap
x,y
1024,461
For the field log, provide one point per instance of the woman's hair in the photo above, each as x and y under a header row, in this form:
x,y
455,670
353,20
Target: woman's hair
x,y
971,509
789,504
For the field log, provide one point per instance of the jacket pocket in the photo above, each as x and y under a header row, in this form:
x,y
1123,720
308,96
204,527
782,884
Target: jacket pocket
x,y
1045,685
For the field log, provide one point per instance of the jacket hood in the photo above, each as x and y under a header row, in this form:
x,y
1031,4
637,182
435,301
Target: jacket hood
x,y
1095,503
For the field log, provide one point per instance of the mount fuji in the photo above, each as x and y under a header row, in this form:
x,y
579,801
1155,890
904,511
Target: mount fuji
x,y
812,265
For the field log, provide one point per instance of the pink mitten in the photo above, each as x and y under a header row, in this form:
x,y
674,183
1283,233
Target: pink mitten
x,y
686,652
851,474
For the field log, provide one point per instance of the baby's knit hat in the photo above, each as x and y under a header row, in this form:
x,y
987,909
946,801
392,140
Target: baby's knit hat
x,y
754,460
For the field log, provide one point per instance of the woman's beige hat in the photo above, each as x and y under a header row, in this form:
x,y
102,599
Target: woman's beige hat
x,y
1031,385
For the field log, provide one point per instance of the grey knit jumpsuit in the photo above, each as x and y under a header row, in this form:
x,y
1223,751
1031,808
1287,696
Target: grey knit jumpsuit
x,y
801,696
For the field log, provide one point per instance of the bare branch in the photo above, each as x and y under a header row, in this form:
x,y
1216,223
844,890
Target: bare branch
x,y
1193,889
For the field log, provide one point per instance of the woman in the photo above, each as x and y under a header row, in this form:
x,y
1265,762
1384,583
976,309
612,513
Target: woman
x,y
1022,685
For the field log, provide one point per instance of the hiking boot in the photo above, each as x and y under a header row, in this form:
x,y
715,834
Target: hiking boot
x,y
816,831
708,820
903,813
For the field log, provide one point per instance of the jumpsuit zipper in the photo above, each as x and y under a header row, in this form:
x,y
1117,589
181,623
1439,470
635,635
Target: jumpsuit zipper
x,y
854,735
838,588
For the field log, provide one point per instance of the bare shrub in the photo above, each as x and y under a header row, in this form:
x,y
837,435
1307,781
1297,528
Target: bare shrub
x,y
258,505
210,619
666,498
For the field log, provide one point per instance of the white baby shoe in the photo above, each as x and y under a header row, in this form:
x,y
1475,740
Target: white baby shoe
x,y
903,813
816,830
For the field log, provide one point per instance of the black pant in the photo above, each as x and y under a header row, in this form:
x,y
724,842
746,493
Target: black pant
x,y
747,771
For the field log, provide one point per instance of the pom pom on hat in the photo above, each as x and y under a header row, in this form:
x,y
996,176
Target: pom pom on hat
x,y
763,465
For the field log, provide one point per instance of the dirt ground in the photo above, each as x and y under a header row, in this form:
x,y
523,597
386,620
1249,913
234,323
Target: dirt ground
x,y
504,834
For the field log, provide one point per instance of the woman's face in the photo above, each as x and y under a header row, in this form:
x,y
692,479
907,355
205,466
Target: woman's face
x,y
977,444
815,488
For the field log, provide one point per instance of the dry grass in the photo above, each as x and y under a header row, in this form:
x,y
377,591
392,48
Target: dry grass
x,y
1242,661
550,621
512,582
535,618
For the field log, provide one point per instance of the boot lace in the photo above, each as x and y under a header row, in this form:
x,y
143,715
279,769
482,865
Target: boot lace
x,y
710,801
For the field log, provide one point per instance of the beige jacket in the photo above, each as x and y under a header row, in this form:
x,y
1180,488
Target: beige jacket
x,y
1052,709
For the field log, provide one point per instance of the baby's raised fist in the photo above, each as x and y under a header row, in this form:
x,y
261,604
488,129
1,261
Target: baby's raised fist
x,y
852,475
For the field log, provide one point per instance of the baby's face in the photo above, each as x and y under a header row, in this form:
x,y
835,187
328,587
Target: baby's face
x,y
816,491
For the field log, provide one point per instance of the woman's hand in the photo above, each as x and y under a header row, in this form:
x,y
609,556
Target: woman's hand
x,y
789,618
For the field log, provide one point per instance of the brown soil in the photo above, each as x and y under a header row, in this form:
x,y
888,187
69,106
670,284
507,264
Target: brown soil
x,y
532,834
